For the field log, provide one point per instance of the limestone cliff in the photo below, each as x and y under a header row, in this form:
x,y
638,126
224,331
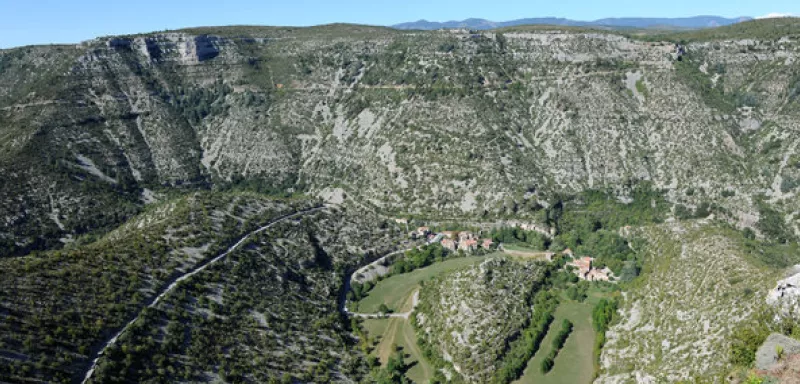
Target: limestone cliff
x,y
440,123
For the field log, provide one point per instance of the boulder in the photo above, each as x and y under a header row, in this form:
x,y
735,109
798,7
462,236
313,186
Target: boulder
x,y
767,356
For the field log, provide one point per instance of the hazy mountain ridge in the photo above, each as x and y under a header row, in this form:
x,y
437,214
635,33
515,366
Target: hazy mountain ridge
x,y
623,22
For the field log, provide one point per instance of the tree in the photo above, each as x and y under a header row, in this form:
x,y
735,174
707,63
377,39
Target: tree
x,y
536,240
401,266
547,364
557,245
384,309
372,361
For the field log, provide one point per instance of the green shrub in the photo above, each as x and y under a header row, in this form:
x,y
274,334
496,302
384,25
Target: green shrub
x,y
744,343
547,364
561,337
602,315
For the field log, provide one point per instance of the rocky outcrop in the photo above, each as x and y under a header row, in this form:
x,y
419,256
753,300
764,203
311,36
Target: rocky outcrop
x,y
471,314
767,354
153,49
786,295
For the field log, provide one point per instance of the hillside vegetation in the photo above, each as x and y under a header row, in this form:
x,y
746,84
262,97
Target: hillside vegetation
x,y
59,306
129,162
267,312
699,287
467,317
437,123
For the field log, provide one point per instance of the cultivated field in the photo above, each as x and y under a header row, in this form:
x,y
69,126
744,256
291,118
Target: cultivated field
x,y
396,293
395,290
398,331
522,252
574,364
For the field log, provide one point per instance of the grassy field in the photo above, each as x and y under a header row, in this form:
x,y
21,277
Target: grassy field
x,y
398,331
574,364
394,291
521,248
522,252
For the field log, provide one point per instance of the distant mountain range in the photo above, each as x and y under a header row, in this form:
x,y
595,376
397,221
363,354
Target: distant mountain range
x,y
624,22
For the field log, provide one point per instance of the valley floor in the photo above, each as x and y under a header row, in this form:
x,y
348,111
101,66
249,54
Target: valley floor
x,y
398,293
395,290
574,364
399,332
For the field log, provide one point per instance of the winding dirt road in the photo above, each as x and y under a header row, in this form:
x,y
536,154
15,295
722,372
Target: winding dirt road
x,y
197,269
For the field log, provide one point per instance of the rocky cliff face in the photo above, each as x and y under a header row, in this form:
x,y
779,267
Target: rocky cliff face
x,y
434,123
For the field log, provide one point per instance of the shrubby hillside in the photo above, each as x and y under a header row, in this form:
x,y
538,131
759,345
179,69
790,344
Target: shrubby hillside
x,y
58,307
437,123
127,162
266,312
701,285
468,317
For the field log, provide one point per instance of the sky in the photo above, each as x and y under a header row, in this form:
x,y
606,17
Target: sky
x,y
24,22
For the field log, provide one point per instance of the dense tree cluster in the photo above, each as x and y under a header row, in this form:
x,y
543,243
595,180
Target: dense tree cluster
x,y
602,316
418,258
393,372
579,291
590,226
558,343
512,235
521,351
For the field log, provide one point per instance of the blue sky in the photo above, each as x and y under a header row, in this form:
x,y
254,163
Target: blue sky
x,y
25,22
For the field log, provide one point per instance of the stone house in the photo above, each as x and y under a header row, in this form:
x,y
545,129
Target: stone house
x,y
420,233
583,266
468,245
598,274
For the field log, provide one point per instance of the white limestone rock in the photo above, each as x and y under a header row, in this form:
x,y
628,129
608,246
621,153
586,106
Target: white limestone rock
x,y
786,295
